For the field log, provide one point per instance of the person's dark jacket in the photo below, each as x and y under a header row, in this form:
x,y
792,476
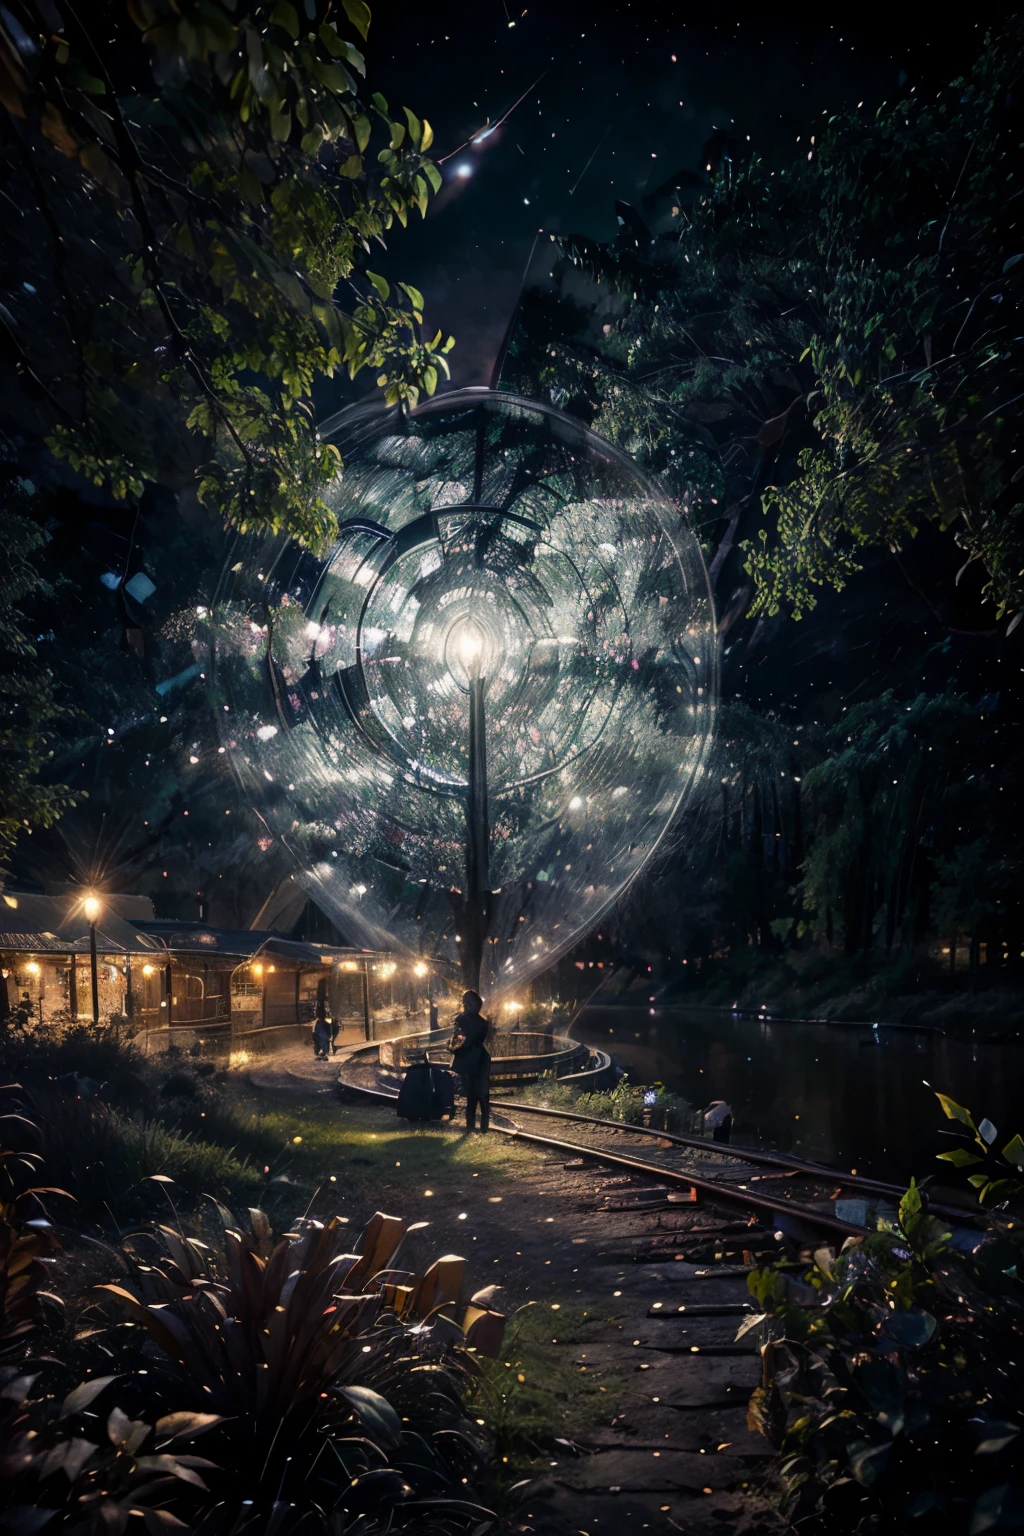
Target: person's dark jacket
x,y
472,1057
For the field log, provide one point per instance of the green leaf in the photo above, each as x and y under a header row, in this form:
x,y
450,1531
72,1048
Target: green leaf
x,y
312,142
999,1189
1014,1152
413,294
361,131
432,174
380,103
910,1205
429,379
328,318
355,58
959,1157
358,13
955,1111
415,127
285,15
351,167
332,42
381,284
250,187
334,76
280,125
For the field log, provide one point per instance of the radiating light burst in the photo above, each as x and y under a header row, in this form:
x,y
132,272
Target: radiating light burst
x,y
596,629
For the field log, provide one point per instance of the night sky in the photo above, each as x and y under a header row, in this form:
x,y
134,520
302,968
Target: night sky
x,y
627,96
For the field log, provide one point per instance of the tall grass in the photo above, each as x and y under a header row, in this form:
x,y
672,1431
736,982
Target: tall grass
x,y
530,1401
626,1102
107,1159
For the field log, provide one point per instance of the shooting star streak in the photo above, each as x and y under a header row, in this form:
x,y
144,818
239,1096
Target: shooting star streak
x,y
586,168
489,127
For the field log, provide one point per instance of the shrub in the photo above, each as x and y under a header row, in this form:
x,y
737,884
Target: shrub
x,y
26,1240
178,1086
63,1048
627,1102
106,1158
325,1386
892,1373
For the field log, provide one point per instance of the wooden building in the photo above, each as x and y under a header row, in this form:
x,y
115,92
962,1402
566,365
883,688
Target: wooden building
x,y
179,981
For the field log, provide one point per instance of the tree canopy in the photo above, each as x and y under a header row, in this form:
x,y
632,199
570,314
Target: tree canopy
x,y
822,359
194,190
819,359
199,187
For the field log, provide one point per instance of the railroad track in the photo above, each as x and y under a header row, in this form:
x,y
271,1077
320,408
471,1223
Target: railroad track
x,y
781,1195
665,1232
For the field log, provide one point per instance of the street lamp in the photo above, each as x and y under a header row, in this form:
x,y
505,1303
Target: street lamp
x,y
35,969
467,656
92,908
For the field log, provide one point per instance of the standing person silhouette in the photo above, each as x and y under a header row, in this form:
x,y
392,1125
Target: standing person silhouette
x,y
471,1059
321,1033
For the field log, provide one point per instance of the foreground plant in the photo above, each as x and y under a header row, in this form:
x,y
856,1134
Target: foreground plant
x,y
26,1236
892,1374
325,1386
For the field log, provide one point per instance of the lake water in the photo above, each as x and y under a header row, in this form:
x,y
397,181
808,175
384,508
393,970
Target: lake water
x,y
851,1097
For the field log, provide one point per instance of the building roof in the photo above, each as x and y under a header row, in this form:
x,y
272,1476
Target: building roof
x,y
33,944
241,943
54,923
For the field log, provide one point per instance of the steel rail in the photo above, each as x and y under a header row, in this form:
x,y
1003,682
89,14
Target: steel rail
x,y
727,1192
742,1197
741,1154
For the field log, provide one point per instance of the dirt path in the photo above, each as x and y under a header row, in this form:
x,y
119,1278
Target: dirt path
x,y
654,1427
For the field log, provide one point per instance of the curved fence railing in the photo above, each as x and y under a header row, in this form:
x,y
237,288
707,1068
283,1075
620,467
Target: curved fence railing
x,y
516,1055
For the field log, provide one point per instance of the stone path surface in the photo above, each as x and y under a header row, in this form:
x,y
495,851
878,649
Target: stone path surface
x,y
670,1450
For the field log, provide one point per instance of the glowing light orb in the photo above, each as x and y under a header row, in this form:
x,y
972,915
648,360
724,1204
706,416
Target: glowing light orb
x,y
483,537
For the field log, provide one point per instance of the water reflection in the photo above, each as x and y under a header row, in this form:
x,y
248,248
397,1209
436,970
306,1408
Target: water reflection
x,y
852,1097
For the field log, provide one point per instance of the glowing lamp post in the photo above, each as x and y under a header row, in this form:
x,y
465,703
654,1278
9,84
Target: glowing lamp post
x,y
92,908
36,970
467,652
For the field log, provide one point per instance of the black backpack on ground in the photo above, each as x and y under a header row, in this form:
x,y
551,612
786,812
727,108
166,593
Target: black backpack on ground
x,y
427,1093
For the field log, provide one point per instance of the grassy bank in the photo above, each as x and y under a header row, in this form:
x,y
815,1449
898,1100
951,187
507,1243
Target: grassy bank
x,y
123,1133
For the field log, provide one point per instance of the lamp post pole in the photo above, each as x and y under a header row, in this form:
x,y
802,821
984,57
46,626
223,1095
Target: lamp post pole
x,y
92,912
95,973
478,884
